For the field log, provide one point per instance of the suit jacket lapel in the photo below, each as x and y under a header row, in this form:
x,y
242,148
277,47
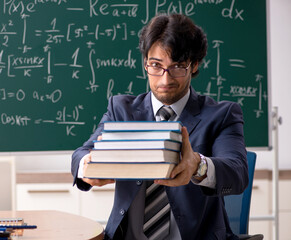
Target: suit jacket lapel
x,y
144,112
190,115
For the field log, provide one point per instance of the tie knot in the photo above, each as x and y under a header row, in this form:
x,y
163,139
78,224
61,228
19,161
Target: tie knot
x,y
166,113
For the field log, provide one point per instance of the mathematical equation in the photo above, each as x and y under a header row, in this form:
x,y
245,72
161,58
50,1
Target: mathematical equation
x,y
64,117
238,92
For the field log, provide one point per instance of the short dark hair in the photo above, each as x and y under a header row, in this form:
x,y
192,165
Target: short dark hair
x,y
178,34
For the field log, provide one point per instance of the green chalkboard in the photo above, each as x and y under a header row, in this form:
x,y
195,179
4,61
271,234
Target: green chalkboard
x,y
60,60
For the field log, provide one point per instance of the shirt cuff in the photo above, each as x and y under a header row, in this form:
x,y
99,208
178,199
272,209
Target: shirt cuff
x,y
210,180
81,166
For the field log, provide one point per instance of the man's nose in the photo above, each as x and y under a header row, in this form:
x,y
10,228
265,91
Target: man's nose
x,y
166,78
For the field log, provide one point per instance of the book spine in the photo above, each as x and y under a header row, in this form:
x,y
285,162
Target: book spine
x,y
135,149
136,140
141,130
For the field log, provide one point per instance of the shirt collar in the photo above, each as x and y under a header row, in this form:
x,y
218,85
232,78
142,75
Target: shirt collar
x,y
177,106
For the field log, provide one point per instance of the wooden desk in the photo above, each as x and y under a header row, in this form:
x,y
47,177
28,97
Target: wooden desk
x,y
56,225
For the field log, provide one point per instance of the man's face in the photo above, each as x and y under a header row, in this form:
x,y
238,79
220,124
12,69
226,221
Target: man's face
x,y
167,89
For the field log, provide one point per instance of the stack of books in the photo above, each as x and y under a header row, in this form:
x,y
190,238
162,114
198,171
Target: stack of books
x,y
136,150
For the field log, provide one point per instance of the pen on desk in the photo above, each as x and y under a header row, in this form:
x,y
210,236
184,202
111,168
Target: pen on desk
x,y
19,226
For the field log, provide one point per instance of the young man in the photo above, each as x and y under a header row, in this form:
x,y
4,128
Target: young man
x,y
213,162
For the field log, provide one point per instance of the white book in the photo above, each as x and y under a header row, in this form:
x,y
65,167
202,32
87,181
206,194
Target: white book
x,y
129,171
142,135
142,125
138,155
138,144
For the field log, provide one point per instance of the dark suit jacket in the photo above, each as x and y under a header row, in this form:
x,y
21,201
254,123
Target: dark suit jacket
x,y
216,131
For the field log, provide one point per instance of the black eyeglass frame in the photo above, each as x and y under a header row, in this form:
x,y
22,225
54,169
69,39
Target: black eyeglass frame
x,y
167,70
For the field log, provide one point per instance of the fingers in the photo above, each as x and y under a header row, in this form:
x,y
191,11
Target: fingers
x,y
87,159
177,170
98,182
186,149
179,176
95,182
185,139
178,181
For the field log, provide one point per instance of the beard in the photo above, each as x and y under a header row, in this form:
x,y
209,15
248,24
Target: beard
x,y
170,98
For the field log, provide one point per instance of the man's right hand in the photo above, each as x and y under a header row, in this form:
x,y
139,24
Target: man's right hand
x,y
95,182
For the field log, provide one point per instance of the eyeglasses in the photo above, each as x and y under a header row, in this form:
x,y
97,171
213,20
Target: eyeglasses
x,y
173,71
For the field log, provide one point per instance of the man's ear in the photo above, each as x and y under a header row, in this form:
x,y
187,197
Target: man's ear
x,y
145,62
195,68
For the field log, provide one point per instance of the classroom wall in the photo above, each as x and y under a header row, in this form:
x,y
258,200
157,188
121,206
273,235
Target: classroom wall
x,y
280,63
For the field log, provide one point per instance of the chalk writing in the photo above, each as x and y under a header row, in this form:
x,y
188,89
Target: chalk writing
x,y
116,62
19,95
232,12
14,120
60,62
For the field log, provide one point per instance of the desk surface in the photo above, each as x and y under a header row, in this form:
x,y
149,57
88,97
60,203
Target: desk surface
x,y
56,225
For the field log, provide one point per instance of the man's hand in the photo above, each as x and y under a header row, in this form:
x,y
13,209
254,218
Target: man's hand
x,y
95,182
183,172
